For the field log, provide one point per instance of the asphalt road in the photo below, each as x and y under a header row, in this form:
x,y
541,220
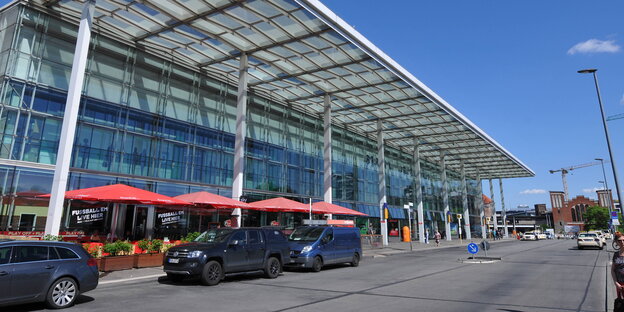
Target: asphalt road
x,y
549,275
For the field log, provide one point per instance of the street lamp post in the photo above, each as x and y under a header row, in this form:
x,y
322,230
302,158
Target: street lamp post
x,y
408,207
606,130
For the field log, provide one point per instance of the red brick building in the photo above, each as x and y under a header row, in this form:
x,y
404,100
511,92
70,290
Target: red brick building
x,y
572,212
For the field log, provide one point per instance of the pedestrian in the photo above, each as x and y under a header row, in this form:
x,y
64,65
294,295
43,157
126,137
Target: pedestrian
x,y
617,272
437,237
427,236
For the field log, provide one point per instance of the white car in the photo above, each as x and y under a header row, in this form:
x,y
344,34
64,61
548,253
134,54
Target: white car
x,y
607,234
529,236
600,235
589,240
542,236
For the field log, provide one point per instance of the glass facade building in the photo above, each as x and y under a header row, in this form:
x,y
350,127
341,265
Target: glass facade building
x,y
151,122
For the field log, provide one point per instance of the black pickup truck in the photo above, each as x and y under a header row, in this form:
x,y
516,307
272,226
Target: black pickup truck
x,y
219,251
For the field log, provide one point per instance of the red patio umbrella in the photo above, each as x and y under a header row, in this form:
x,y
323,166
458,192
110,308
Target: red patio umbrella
x,y
121,193
207,198
280,204
326,207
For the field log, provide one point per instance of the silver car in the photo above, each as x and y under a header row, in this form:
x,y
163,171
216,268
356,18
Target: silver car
x,y
45,271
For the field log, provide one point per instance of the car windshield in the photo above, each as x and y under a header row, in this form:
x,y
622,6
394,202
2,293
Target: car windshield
x,y
214,236
306,234
587,235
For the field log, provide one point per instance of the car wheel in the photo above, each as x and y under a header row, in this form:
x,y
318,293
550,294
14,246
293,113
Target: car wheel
x,y
62,293
356,260
602,247
212,273
317,265
273,268
175,277
580,247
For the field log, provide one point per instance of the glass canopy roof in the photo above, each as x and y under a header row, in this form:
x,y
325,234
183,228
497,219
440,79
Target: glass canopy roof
x,y
298,51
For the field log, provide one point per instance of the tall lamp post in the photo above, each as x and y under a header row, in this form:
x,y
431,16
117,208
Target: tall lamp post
x,y
606,130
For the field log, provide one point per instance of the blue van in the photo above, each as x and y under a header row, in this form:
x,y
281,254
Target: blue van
x,y
315,246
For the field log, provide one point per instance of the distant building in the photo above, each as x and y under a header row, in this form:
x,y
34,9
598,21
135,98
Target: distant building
x,y
540,209
572,213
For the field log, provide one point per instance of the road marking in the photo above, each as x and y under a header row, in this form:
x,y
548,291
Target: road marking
x,y
131,279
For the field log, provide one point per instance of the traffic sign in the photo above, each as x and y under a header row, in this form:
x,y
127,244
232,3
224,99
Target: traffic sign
x,y
473,248
459,216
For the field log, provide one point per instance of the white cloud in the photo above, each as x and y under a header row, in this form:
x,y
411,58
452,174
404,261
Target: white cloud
x,y
595,46
591,190
533,191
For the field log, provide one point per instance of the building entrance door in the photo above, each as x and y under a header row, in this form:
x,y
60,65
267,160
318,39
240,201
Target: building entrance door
x,y
140,222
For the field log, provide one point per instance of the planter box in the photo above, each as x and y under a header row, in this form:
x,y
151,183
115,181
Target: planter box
x,y
116,263
148,260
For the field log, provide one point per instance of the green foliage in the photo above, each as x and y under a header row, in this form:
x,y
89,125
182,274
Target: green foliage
x,y
144,244
191,237
543,227
118,248
156,245
596,218
52,238
93,250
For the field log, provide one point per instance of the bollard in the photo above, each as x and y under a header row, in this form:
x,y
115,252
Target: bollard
x,y
406,234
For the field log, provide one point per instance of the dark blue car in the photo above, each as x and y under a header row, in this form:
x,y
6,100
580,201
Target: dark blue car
x,y
315,246
46,271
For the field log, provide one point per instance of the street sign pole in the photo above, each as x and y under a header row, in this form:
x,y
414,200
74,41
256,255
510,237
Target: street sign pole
x,y
459,218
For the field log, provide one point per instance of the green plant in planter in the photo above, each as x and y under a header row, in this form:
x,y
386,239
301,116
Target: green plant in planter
x,y
156,245
118,248
50,237
144,244
191,237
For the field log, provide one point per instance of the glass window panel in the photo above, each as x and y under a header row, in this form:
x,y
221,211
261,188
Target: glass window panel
x,y
144,100
54,75
104,89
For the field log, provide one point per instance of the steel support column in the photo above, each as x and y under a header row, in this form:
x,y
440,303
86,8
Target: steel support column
x,y
480,207
381,164
327,151
68,130
418,197
464,190
504,211
241,132
445,201
494,218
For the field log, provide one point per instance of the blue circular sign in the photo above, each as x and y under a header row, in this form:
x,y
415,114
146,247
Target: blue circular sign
x,y
473,248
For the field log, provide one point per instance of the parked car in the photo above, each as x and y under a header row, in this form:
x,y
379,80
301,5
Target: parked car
x,y
315,246
607,234
46,271
529,236
542,236
217,252
589,240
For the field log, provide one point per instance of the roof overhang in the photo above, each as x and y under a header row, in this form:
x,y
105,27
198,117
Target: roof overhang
x,y
298,51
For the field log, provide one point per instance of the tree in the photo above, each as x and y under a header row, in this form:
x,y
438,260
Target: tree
x,y
597,218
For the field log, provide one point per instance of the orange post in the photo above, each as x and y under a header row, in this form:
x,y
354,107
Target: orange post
x,y
406,234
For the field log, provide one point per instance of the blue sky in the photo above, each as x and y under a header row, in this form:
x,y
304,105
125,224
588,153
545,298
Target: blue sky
x,y
510,67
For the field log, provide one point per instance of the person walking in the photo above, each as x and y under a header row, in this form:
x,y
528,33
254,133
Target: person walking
x,y
427,236
617,272
437,237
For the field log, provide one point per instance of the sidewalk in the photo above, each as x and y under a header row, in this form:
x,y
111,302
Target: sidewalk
x,y
394,247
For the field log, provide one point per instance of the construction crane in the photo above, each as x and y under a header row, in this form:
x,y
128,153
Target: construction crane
x,y
564,172
614,117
